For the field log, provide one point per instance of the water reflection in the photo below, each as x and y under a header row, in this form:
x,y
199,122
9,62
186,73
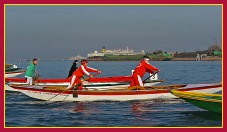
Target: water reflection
x,y
79,107
178,111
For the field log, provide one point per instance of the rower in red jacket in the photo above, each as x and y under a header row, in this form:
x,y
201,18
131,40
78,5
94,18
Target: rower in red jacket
x,y
79,73
140,70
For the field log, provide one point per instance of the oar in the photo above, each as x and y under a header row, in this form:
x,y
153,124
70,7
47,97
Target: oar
x,y
75,94
71,88
96,74
36,78
144,81
174,86
58,94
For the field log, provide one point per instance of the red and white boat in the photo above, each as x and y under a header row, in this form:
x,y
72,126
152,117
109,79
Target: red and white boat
x,y
93,83
59,93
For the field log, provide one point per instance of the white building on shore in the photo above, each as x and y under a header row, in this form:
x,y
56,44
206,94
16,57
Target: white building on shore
x,y
126,51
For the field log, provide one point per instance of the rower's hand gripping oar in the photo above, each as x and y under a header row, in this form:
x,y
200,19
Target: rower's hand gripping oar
x,y
75,88
95,74
144,81
36,78
85,79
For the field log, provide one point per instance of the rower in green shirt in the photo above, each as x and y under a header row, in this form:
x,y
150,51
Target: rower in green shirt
x,y
30,71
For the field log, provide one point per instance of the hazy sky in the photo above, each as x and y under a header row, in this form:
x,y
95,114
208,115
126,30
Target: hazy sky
x,y
64,31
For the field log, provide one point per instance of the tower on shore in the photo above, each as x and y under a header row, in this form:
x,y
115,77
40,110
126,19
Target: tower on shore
x,y
103,49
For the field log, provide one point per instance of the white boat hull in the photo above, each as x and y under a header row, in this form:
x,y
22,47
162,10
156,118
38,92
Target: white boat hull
x,y
100,86
38,93
13,74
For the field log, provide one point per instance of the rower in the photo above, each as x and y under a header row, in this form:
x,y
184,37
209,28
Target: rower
x,y
143,67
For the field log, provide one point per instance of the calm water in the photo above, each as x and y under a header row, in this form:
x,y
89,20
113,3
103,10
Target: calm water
x,y
25,111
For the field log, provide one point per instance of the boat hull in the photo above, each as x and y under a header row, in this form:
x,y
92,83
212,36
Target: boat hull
x,y
40,92
13,74
12,69
94,86
210,106
210,102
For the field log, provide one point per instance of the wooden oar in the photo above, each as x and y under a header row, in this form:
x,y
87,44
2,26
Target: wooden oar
x,y
144,81
57,87
96,74
62,92
85,79
140,87
175,86
36,78
136,88
72,88
160,87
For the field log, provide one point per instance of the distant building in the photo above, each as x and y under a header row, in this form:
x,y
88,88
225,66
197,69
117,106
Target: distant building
x,y
116,52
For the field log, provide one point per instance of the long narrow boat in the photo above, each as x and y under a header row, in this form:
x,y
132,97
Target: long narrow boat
x,y
59,93
13,73
210,102
94,83
11,69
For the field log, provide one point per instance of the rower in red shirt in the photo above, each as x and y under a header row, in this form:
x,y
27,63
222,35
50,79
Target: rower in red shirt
x,y
140,70
79,73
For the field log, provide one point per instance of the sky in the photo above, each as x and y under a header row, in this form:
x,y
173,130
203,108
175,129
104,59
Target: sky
x,y
47,32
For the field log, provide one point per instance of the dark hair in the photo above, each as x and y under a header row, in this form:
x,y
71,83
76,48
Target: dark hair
x,y
35,59
146,57
84,61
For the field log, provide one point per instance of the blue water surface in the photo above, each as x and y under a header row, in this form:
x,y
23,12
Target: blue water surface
x,y
23,111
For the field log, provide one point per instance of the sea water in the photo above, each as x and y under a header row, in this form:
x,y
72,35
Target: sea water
x,y
23,111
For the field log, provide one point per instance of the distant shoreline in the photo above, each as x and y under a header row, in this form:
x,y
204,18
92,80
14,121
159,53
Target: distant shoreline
x,y
173,59
193,59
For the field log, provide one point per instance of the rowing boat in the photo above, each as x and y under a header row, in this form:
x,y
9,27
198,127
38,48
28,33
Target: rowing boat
x,y
12,70
59,93
13,73
92,83
210,102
